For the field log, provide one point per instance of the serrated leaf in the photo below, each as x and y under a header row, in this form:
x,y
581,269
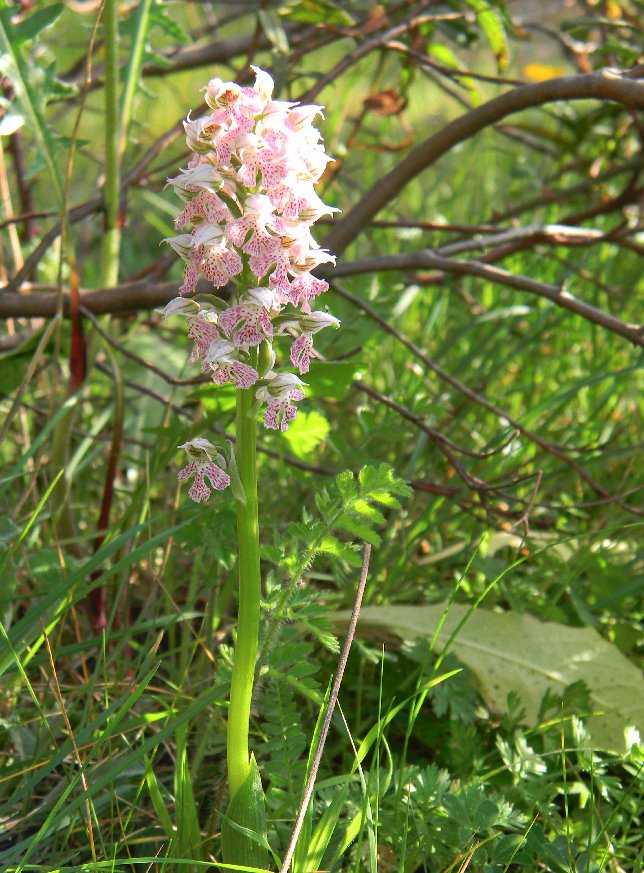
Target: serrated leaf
x,y
159,15
385,499
377,482
358,529
362,507
345,551
56,89
345,483
508,652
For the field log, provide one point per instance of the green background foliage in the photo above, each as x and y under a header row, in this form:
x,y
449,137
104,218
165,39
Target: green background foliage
x,y
482,437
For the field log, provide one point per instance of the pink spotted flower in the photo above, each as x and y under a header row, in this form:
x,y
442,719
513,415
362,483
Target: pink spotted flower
x,y
202,457
248,207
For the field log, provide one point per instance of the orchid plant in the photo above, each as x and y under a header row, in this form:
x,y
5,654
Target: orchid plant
x,y
249,200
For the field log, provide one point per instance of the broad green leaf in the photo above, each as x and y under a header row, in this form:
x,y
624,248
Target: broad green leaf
x,y
332,379
306,433
508,652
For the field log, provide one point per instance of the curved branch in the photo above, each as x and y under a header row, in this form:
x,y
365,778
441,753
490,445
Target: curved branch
x,y
605,85
418,15
429,260
434,435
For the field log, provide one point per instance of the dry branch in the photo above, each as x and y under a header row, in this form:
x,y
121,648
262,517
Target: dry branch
x,y
612,85
427,259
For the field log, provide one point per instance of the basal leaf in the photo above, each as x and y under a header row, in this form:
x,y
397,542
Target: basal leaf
x,y
243,830
508,652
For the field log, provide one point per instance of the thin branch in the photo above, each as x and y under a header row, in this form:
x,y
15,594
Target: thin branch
x,y
418,15
427,259
447,448
468,392
559,234
26,217
433,434
631,194
418,484
75,215
550,196
171,380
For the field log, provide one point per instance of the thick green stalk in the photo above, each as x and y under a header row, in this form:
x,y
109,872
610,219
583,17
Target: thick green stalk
x,y
249,597
112,235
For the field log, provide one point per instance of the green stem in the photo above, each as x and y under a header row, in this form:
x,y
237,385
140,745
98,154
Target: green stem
x,y
112,235
249,597
133,69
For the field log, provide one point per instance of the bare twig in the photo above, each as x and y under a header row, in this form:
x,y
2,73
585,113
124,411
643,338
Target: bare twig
x,y
171,380
468,392
435,435
418,15
427,259
604,85
328,715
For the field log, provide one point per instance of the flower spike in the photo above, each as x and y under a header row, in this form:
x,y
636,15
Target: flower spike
x,y
248,206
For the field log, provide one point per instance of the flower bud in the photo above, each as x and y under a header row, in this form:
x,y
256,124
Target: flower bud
x,y
180,306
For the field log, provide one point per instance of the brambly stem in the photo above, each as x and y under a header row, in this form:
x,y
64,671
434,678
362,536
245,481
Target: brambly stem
x,y
249,597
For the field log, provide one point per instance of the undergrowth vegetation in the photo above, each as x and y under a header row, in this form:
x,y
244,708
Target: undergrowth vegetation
x,y
475,420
